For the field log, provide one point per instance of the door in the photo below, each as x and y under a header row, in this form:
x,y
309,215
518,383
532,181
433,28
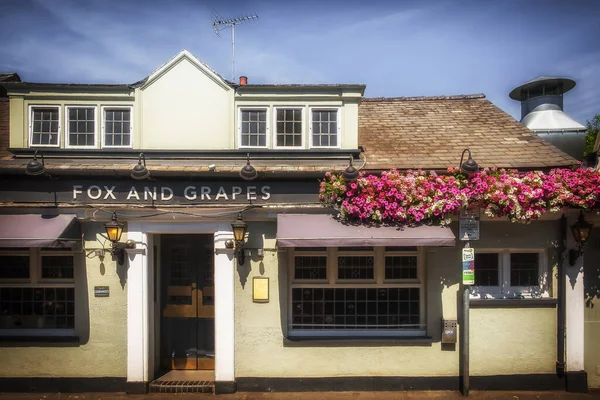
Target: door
x,y
187,306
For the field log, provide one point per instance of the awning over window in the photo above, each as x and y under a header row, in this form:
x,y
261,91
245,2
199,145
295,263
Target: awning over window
x,y
35,230
308,230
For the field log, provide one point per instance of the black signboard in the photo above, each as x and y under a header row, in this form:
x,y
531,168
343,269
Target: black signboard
x,y
157,192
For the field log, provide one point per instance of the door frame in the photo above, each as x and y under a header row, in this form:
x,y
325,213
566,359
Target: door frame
x,y
141,357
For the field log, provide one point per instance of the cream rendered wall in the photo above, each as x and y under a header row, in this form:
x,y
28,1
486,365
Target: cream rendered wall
x,y
101,323
184,108
260,328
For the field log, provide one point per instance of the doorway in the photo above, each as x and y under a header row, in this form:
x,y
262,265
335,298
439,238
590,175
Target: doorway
x,y
187,312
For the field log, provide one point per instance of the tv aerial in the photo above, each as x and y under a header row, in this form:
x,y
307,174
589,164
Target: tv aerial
x,y
219,24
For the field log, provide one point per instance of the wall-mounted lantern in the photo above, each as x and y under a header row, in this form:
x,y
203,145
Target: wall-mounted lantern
x,y
34,167
581,231
114,230
350,173
239,228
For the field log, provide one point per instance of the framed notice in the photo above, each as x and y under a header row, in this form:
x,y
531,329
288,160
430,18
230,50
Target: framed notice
x,y
468,224
468,266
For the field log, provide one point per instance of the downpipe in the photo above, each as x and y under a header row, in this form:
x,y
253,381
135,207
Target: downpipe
x,y
561,306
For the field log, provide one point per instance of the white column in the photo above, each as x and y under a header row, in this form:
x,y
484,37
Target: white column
x,y
575,305
137,309
224,308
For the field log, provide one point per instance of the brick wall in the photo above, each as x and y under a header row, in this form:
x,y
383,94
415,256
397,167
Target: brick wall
x,y
4,127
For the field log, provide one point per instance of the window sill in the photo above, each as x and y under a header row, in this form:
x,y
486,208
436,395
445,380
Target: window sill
x,y
514,303
39,339
356,341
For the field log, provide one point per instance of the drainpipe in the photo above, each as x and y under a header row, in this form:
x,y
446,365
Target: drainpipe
x,y
560,331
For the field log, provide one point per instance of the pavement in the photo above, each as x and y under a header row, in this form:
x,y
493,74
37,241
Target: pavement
x,y
416,395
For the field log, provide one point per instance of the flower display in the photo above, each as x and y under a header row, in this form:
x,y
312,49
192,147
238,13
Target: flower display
x,y
415,197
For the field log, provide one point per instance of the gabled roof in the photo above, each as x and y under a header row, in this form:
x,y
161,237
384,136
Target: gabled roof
x,y
182,55
432,132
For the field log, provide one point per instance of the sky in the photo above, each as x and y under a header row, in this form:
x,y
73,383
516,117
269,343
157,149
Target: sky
x,y
397,48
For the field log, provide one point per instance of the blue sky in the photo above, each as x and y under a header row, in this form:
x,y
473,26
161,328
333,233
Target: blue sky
x,y
396,48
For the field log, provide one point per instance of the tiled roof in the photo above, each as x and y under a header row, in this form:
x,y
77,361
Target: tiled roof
x,y
432,132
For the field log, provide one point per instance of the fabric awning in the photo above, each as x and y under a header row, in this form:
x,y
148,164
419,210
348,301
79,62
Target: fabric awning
x,y
36,230
308,230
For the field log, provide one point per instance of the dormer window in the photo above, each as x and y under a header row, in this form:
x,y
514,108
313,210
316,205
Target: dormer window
x,y
289,131
253,127
44,126
81,126
325,128
117,126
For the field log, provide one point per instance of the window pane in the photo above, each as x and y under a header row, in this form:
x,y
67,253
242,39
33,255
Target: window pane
x,y
57,267
486,269
355,267
523,269
37,308
355,308
254,133
310,267
14,266
401,267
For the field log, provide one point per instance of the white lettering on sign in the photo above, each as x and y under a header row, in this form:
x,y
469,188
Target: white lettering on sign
x,y
169,193
133,193
94,192
109,193
221,193
204,191
77,190
190,193
266,191
163,193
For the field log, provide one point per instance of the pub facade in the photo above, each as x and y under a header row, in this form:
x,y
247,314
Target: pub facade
x,y
168,235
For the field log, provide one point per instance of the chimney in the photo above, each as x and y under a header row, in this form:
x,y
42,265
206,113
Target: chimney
x,y
243,80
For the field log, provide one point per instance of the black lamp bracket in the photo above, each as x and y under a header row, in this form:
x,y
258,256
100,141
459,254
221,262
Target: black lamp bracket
x,y
118,250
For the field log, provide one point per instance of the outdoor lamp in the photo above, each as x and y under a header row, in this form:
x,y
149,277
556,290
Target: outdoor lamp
x,y
350,173
114,230
248,172
469,166
35,167
140,171
239,228
581,231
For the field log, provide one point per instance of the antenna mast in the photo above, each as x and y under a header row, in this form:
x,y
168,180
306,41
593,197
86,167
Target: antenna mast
x,y
219,24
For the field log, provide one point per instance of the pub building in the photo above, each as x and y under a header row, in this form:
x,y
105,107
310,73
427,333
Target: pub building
x,y
168,236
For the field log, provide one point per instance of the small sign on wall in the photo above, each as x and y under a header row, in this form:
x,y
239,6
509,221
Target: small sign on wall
x,y
468,225
468,266
260,289
101,291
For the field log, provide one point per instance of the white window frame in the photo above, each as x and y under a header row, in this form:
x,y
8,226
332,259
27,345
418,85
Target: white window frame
x,y
35,280
267,124
68,126
378,282
338,111
59,133
505,290
109,107
303,134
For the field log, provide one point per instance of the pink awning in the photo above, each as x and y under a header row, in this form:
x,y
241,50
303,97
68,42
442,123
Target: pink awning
x,y
320,230
35,230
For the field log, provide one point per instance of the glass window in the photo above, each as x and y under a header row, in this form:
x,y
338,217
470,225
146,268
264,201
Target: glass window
x,y
289,127
117,127
310,267
45,128
32,305
324,128
487,269
253,128
401,267
524,269
81,126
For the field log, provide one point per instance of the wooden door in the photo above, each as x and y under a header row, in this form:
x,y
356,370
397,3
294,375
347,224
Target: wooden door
x,y
188,307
